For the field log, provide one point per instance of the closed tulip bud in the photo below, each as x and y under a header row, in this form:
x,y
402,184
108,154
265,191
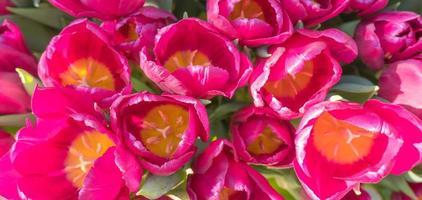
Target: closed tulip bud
x,y
389,37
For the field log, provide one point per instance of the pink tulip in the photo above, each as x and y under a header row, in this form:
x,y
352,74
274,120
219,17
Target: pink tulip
x,y
366,7
85,160
3,6
400,82
162,130
313,12
341,144
81,56
259,137
112,9
389,37
13,54
6,141
217,174
253,22
193,59
300,72
133,33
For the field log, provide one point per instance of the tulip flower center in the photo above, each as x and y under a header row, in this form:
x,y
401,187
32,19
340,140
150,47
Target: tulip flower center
x,y
163,128
129,32
266,143
291,84
182,59
248,9
88,72
339,141
83,151
225,193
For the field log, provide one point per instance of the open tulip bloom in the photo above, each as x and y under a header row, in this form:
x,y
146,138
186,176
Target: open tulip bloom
x,y
341,145
210,99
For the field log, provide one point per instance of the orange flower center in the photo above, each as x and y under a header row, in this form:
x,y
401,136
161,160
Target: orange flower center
x,y
83,151
225,193
340,141
266,143
248,9
129,32
88,72
291,85
163,128
182,59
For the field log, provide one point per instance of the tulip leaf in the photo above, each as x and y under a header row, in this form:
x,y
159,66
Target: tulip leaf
x,y
17,120
29,82
23,3
397,183
165,4
225,109
349,27
37,35
156,186
141,86
413,177
46,15
411,5
355,88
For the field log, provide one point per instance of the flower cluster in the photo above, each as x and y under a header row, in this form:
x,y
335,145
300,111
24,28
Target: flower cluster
x,y
126,93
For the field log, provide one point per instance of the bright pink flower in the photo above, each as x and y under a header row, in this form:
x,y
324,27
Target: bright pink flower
x,y
260,137
160,129
14,53
253,22
81,56
192,59
313,12
133,33
112,9
340,145
217,174
3,6
388,37
366,7
299,72
400,82
6,141
84,159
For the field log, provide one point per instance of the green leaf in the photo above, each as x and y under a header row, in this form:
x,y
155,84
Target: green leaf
x,y
283,181
46,15
349,27
29,82
165,4
37,35
413,177
397,183
225,109
411,5
156,186
23,3
17,120
355,88
141,86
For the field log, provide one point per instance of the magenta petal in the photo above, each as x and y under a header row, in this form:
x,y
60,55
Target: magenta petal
x,y
202,79
408,127
46,187
168,167
13,97
336,190
129,166
8,178
104,180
